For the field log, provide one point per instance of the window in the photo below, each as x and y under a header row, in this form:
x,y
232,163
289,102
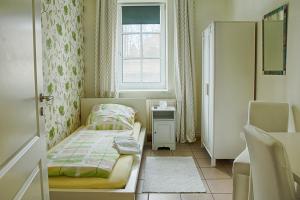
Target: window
x,y
142,47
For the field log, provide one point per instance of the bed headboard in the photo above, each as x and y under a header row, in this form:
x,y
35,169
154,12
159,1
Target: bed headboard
x,y
138,104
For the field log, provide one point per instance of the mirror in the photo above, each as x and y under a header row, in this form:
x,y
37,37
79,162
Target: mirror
x,y
275,41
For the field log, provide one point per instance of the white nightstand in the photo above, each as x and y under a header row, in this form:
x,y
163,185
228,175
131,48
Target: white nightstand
x,y
163,127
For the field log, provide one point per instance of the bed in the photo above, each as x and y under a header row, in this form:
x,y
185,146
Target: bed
x,y
69,188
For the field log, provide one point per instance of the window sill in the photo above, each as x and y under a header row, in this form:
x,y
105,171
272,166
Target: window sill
x,y
144,90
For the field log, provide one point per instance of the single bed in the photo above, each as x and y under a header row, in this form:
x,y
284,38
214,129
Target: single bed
x,y
105,189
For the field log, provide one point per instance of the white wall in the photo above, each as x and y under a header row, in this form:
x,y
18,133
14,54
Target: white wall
x,y
276,88
293,60
89,29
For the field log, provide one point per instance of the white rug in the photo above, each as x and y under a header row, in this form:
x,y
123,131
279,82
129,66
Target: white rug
x,y
172,174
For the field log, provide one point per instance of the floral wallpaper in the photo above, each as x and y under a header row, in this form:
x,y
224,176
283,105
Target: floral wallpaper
x,y
63,66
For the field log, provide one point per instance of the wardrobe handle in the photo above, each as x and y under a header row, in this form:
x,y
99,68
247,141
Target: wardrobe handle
x,y
207,89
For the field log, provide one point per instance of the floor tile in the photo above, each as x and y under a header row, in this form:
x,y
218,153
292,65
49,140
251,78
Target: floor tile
x,y
203,162
200,172
206,186
215,173
196,147
183,147
161,153
156,196
147,152
222,196
182,153
142,196
220,186
148,145
200,154
196,196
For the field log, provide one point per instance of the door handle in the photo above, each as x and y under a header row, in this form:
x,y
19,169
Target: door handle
x,y
45,98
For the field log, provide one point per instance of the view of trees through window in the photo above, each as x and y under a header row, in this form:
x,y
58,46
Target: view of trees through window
x,y
141,55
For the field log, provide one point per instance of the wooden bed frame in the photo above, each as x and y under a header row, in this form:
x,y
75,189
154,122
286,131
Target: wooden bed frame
x,y
128,193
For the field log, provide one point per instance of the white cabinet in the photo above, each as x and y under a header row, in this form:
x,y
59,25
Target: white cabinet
x,y
163,127
228,79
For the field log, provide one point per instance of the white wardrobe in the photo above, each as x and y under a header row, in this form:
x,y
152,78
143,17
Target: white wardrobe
x,y
228,80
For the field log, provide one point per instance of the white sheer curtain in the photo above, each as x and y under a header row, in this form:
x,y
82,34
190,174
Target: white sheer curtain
x,y
183,15
105,48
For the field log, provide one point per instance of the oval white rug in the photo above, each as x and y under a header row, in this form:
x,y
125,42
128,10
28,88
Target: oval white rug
x,y
172,175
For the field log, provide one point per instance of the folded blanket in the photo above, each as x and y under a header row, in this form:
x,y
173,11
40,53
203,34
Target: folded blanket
x,y
126,145
83,154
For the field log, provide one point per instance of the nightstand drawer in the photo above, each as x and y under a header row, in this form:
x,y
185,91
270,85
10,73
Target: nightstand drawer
x,y
164,115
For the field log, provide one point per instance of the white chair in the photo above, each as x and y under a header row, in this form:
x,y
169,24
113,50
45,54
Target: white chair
x,y
270,168
271,117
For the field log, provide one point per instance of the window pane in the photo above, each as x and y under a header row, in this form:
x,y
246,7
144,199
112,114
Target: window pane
x,y
131,70
131,28
151,27
151,70
131,46
151,45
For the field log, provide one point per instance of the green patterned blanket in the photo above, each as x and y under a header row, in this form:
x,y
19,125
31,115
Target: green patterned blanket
x,y
83,154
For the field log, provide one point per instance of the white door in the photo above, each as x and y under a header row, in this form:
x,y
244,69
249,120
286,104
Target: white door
x,y
163,132
23,173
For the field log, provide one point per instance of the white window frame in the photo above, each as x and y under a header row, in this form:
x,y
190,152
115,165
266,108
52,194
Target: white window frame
x,y
142,86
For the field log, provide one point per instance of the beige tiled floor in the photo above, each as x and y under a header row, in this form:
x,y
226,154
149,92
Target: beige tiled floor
x,y
218,180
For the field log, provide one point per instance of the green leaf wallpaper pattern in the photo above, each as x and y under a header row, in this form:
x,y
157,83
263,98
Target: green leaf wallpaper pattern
x,y
66,48
61,110
49,43
62,66
67,86
51,133
74,71
50,89
59,29
66,10
60,70
74,36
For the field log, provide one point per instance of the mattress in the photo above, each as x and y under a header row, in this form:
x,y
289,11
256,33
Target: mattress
x,y
117,179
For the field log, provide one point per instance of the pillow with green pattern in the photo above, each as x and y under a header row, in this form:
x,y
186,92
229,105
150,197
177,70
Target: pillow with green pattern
x,y
111,117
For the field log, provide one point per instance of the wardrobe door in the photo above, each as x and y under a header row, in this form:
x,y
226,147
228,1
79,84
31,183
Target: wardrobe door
x,y
211,89
205,87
